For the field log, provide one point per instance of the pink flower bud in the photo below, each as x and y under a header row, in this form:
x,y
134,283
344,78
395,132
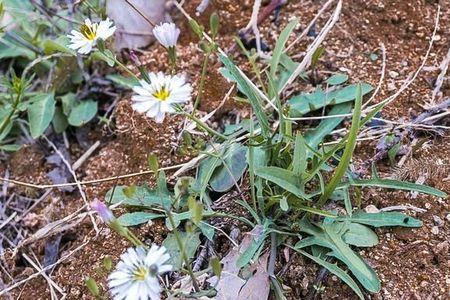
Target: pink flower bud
x,y
103,211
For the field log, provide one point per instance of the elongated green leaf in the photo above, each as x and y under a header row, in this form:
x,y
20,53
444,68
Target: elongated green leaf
x,y
40,113
82,112
396,184
334,269
364,273
58,45
337,79
305,103
326,126
231,169
251,94
382,219
142,196
126,82
360,236
283,178
279,46
59,121
348,151
300,159
190,242
136,218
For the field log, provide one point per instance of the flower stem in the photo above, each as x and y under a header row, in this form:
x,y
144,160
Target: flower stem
x,y
202,81
125,68
183,253
205,127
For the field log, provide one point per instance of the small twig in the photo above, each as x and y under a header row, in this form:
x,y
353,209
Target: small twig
x,y
440,79
85,156
140,12
69,167
41,271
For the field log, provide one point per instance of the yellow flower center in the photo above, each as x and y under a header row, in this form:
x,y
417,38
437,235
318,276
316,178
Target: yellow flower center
x,y
140,274
162,94
89,32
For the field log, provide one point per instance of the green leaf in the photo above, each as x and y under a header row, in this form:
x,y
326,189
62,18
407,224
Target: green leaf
x,y
257,242
337,79
40,113
317,135
136,218
279,46
316,55
108,57
92,286
307,102
396,184
334,269
190,242
126,82
68,102
382,219
364,273
231,170
300,159
348,151
283,178
360,236
10,147
142,196
59,120
58,45
207,230
82,112
216,266
249,91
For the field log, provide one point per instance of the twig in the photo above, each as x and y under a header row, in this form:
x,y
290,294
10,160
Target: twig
x,y
85,156
440,79
49,267
69,167
140,12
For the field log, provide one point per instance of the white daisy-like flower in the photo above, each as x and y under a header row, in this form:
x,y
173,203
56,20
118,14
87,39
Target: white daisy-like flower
x,y
136,275
156,98
167,34
86,39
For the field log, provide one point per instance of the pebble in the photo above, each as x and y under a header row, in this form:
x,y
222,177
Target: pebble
x,y
448,217
442,247
427,205
435,230
391,87
393,74
438,221
371,209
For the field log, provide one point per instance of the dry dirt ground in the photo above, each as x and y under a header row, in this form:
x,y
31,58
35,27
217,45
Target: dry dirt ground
x,y
412,264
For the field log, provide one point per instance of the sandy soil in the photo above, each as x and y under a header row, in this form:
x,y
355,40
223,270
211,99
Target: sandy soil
x,y
412,264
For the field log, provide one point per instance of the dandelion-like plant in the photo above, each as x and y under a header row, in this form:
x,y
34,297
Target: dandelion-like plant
x,y
87,38
158,97
136,275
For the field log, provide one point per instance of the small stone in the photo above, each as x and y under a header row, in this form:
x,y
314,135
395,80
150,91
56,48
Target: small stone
x,y
391,87
448,217
393,74
438,221
371,209
427,205
442,247
435,230
437,37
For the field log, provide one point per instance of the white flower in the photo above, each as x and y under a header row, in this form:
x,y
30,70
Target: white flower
x,y
156,98
167,34
136,275
86,39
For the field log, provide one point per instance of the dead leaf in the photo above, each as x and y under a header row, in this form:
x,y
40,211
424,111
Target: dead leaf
x,y
257,286
230,284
